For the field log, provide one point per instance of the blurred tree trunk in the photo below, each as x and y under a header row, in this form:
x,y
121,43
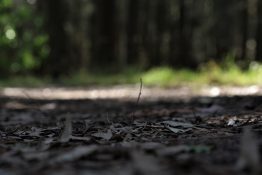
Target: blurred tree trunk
x,y
55,13
173,19
259,32
77,29
133,38
114,34
137,21
163,39
224,32
104,36
121,22
181,37
156,41
66,23
244,28
186,29
151,34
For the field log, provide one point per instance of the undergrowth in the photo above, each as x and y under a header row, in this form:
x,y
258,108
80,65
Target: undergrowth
x,y
210,73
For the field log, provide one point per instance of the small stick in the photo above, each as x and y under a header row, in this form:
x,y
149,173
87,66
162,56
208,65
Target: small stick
x,y
138,98
140,91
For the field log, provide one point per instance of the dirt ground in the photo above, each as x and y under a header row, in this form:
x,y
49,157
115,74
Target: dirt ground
x,y
104,131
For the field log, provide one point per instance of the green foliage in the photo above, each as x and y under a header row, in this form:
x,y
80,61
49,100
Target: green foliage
x,y
210,74
225,73
25,81
84,78
162,76
85,35
23,44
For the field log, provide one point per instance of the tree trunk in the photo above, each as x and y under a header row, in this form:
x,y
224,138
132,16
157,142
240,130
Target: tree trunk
x,y
56,17
181,46
259,32
244,28
104,39
121,18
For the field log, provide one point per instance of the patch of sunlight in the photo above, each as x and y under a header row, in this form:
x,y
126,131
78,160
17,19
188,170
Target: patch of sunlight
x,y
10,33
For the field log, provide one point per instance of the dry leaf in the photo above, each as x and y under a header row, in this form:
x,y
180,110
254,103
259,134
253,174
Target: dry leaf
x,y
232,121
178,127
104,135
177,130
178,124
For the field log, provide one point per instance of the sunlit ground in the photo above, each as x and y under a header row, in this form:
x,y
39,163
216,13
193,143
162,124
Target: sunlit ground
x,y
128,92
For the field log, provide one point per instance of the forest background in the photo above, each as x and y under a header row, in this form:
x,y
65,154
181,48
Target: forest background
x,y
166,42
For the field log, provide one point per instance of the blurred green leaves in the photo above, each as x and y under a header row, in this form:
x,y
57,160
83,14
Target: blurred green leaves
x,y
23,43
5,3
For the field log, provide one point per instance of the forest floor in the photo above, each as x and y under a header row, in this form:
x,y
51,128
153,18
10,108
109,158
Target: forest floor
x,y
105,131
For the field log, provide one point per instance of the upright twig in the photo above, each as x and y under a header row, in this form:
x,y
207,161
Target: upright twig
x,y
138,97
140,91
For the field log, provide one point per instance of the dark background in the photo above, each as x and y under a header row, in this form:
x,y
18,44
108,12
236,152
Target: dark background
x,y
60,37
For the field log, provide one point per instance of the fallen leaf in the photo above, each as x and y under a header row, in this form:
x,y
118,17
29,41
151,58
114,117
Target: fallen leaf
x,y
232,121
178,124
104,135
178,130
178,127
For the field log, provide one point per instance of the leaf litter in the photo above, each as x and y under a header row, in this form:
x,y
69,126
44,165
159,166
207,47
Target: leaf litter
x,y
163,137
